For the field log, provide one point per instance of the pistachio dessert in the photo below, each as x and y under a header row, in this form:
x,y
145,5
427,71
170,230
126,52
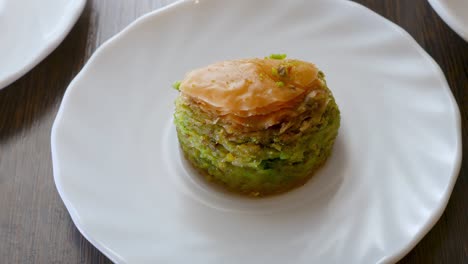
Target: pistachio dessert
x,y
256,126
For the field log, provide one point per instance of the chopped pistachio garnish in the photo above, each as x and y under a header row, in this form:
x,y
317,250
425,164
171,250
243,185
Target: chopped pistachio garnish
x,y
176,85
280,84
274,71
229,157
278,56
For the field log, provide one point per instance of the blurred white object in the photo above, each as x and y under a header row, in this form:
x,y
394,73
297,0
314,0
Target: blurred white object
x,y
31,30
454,13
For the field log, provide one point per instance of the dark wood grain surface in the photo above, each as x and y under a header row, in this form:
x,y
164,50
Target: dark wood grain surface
x,y
34,224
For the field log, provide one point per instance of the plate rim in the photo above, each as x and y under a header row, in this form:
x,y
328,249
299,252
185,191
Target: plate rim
x,y
391,258
444,12
48,48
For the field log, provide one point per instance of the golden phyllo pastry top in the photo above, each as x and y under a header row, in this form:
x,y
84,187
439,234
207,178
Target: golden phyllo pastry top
x,y
253,92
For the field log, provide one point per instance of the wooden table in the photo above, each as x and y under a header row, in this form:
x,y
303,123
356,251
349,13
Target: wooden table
x,y
34,224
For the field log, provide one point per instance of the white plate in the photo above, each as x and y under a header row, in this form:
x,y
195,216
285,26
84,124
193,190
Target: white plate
x,y
31,30
454,13
120,174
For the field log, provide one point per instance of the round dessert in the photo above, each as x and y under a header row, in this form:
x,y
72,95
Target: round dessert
x,y
256,126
